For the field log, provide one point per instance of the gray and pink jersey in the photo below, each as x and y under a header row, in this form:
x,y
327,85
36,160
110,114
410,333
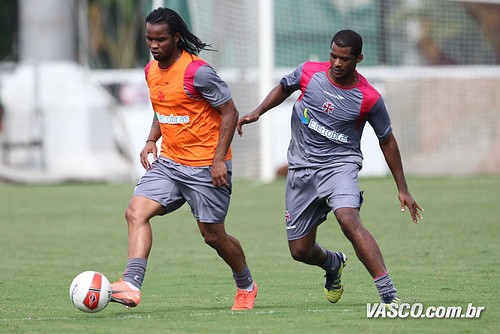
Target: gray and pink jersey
x,y
328,120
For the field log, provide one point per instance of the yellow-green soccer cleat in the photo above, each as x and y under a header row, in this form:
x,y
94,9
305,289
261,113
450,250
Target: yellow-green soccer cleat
x,y
333,285
391,299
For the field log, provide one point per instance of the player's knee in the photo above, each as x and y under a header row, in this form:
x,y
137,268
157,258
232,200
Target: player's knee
x,y
132,216
214,235
129,214
351,228
212,239
300,254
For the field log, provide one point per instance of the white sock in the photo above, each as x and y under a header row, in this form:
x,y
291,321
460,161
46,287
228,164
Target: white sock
x,y
249,288
133,287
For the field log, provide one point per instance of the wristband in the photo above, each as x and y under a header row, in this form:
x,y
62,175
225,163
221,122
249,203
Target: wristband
x,y
150,140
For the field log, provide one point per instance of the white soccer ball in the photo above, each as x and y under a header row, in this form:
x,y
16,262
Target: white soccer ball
x,y
90,291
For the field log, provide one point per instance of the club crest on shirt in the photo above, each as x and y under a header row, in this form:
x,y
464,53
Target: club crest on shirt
x,y
328,107
161,96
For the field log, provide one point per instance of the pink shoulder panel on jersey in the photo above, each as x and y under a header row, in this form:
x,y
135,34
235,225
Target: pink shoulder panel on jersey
x,y
146,69
308,70
370,97
189,78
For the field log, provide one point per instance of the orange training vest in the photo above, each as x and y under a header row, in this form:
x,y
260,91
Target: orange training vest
x,y
189,124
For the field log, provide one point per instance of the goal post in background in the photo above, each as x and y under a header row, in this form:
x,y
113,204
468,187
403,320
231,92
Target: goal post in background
x,y
266,68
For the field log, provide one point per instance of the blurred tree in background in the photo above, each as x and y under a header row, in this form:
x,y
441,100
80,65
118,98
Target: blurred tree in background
x,y
8,30
116,33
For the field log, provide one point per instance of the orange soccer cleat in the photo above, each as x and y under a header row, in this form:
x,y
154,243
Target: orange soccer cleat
x,y
244,299
124,293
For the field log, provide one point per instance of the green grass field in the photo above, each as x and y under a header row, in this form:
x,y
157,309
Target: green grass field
x,y
49,234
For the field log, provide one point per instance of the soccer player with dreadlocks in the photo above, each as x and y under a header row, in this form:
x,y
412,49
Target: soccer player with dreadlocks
x,y
195,117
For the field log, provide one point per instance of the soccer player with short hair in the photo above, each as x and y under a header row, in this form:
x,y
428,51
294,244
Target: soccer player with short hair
x,y
324,158
195,116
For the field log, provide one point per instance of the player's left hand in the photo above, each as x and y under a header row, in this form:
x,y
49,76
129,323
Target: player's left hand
x,y
406,199
219,174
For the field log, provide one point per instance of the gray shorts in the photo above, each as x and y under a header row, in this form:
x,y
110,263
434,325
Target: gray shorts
x,y
311,193
172,184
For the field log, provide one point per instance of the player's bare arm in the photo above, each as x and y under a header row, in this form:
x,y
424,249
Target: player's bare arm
x,y
392,156
150,147
226,132
275,97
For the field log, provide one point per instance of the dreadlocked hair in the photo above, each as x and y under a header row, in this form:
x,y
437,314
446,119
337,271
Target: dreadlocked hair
x,y
187,42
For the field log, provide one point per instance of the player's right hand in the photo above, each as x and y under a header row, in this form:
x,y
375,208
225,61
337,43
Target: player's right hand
x,y
247,119
150,148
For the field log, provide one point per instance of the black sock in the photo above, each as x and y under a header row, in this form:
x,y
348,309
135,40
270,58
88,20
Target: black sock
x,y
385,285
136,269
243,279
332,263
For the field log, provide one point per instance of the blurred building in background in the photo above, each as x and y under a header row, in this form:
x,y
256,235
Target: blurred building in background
x,y
76,103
